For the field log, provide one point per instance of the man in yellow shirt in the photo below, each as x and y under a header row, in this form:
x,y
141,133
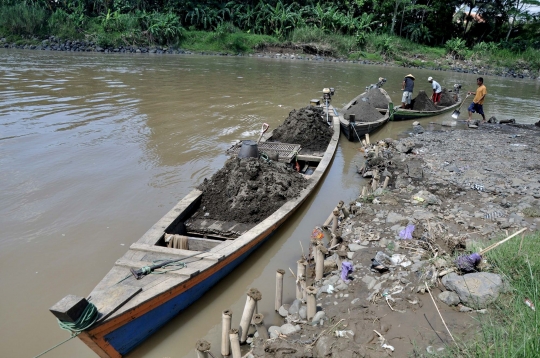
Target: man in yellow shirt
x,y
477,104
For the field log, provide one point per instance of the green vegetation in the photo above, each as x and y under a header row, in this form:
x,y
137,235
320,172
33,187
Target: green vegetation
x,y
512,327
410,32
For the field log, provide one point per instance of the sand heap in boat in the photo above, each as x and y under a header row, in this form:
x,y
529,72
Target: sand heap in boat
x,y
423,103
376,98
306,127
447,98
363,111
248,190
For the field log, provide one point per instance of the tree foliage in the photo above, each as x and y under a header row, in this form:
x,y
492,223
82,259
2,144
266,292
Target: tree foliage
x,y
509,23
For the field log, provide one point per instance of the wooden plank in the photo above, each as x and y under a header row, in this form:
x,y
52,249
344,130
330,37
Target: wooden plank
x,y
199,244
309,158
111,299
177,252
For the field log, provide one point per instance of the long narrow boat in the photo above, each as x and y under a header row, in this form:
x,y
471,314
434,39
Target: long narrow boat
x,y
354,130
130,309
404,114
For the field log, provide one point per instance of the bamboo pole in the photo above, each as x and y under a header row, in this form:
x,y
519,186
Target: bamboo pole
x,y
279,288
301,274
375,182
202,347
331,216
226,318
335,221
258,322
311,302
253,296
235,343
367,139
319,264
386,180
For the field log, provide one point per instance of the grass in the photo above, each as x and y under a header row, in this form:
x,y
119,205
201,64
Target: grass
x,y
229,42
511,329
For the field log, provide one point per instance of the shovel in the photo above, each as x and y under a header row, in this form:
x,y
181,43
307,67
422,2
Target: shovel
x,y
456,113
264,128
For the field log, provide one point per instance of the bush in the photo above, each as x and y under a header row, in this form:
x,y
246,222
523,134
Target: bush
x,y
456,47
22,19
162,28
60,24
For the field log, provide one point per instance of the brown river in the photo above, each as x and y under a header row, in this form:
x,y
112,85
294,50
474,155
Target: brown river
x,y
95,148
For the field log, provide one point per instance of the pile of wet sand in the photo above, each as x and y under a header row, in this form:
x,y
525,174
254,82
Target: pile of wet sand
x,y
447,98
363,111
376,98
422,102
248,190
306,127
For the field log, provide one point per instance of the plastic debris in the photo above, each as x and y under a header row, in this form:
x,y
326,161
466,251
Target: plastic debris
x,y
387,346
468,263
317,233
529,303
400,259
346,269
330,289
406,234
346,334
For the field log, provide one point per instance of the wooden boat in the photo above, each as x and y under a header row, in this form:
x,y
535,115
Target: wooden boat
x,y
355,130
132,309
403,114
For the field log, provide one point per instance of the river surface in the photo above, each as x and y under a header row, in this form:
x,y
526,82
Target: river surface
x,y
95,148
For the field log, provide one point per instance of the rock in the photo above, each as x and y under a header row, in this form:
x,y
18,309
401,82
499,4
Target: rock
x,y
303,312
449,123
415,123
274,331
465,309
288,329
283,311
425,197
295,307
475,289
318,316
355,247
342,287
492,120
449,297
418,129
393,218
324,346
404,146
329,266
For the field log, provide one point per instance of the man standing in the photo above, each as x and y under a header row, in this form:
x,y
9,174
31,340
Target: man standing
x,y
407,87
436,96
477,104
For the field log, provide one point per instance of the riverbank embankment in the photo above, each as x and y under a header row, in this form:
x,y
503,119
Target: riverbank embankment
x,y
393,275
435,61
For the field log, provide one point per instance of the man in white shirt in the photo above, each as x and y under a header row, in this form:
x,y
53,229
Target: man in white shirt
x,y
436,96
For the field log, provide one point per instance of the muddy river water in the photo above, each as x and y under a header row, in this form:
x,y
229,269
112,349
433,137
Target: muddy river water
x,y
94,149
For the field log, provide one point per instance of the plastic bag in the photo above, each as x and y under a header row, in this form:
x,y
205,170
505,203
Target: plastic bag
x,y
406,234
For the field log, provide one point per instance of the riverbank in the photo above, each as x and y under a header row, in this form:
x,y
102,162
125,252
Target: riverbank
x,y
388,51
449,193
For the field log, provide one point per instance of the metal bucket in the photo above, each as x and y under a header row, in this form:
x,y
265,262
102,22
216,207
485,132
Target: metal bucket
x,y
249,149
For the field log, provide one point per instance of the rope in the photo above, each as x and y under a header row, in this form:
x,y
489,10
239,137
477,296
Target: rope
x,y
88,317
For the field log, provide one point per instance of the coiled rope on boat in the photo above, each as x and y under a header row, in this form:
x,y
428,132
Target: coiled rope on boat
x,y
87,318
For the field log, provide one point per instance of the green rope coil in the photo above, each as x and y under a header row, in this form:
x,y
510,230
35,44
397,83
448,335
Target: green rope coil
x,y
87,318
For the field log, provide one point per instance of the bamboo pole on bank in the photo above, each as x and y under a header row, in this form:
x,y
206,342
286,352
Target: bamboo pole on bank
x,y
279,288
331,216
335,220
311,302
226,318
202,348
300,275
235,343
253,296
258,322
319,264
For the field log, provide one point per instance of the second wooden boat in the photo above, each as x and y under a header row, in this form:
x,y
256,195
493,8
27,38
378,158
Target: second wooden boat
x,y
404,114
132,304
355,130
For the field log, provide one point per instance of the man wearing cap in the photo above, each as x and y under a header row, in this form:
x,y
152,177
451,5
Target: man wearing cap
x,y
436,96
477,104
407,87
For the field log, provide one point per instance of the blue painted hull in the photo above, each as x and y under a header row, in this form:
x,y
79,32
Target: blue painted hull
x,y
127,337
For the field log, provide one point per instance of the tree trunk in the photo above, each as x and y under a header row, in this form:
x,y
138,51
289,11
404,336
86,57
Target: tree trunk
x,y
394,17
468,18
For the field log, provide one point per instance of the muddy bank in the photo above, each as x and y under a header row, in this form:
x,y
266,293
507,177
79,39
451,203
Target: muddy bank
x,y
248,190
446,192
306,127
444,64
